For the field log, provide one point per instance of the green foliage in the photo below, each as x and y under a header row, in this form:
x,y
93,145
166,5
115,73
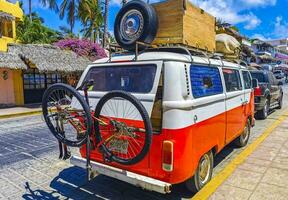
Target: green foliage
x,y
34,32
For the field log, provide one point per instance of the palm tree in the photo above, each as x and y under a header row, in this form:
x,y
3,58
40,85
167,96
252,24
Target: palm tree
x,y
90,16
69,8
51,3
106,14
30,10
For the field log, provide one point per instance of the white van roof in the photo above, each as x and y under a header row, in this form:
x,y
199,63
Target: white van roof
x,y
147,56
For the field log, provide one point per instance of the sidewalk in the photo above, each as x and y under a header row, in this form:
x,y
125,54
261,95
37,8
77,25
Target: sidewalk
x,y
20,111
259,173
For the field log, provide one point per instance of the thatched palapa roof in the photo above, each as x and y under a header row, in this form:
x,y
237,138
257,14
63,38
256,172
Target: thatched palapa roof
x,y
11,61
49,58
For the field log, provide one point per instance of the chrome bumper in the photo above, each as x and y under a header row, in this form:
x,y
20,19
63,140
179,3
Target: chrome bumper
x,y
144,182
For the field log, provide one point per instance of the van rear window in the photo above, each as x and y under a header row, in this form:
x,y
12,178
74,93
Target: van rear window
x,y
136,78
205,81
259,76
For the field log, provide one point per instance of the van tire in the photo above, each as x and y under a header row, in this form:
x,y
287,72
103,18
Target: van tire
x,y
280,102
243,139
149,26
263,114
194,184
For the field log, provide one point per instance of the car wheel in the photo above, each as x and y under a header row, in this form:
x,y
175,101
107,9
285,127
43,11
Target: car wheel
x,y
137,21
263,114
243,139
203,173
280,102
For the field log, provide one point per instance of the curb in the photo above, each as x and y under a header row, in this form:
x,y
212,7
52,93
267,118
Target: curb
x,y
217,181
37,112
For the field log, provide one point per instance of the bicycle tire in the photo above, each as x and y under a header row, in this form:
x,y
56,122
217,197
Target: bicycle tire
x,y
80,98
148,126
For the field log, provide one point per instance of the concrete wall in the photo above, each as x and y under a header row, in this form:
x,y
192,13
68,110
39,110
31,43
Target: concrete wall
x,y
7,88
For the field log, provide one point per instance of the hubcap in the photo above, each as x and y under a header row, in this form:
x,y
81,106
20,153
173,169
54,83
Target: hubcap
x,y
131,25
204,169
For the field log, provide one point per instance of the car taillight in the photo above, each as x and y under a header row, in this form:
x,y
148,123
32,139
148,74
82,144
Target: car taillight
x,y
257,91
167,156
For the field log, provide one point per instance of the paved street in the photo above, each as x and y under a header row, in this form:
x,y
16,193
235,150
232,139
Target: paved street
x,y
30,169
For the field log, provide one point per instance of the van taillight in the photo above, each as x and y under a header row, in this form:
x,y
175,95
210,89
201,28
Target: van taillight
x,y
167,156
257,91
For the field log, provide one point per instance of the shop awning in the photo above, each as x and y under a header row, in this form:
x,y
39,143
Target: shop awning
x,y
281,56
48,58
6,16
11,61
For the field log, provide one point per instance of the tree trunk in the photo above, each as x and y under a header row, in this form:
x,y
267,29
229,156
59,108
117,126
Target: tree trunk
x,y
105,22
30,10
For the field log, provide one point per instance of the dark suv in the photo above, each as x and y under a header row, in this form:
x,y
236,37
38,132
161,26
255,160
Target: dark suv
x,y
268,93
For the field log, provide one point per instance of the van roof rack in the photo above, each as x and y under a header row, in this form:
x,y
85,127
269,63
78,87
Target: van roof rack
x,y
174,48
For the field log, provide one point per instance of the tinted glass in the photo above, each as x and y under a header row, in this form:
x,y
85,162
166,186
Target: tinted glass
x,y
137,79
232,80
247,80
259,76
205,81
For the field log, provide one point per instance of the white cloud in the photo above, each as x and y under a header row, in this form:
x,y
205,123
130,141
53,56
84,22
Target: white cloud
x,y
235,11
280,28
252,21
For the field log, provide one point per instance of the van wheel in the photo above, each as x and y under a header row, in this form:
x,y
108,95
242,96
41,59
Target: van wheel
x,y
263,114
243,139
203,173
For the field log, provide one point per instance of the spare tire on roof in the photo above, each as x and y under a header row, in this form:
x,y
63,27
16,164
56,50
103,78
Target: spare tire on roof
x,y
136,21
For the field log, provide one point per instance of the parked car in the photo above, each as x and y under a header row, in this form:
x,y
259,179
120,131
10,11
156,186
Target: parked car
x,y
279,74
268,93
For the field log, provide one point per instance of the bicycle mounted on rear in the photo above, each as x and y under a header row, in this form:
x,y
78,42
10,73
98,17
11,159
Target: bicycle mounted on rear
x,y
71,120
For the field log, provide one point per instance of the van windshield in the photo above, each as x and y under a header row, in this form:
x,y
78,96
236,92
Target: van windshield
x,y
135,78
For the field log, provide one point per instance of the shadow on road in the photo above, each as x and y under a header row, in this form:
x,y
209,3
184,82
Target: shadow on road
x,y
71,183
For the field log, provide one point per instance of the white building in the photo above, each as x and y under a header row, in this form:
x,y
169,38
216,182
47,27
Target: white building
x,y
281,44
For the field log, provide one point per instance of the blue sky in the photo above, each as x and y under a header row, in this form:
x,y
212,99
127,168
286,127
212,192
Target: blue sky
x,y
265,19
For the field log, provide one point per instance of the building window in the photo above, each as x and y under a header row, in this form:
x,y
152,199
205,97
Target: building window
x,y
6,29
205,81
34,80
54,78
232,80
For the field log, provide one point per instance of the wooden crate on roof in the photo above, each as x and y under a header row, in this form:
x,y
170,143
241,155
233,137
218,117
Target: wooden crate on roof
x,y
180,22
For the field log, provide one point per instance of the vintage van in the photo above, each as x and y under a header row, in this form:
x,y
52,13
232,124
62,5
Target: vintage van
x,y
197,105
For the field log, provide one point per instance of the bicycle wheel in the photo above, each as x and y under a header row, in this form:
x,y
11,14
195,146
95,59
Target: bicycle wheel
x,y
67,114
123,128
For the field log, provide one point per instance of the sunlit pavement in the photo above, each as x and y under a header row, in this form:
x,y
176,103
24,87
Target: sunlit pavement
x,y
263,174
30,169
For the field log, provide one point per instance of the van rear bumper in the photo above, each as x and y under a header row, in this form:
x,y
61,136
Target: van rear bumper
x,y
123,175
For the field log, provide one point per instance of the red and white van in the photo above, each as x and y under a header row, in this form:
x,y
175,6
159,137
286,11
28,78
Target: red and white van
x,y
196,105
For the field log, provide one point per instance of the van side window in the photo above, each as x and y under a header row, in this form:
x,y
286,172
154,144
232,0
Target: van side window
x,y
232,80
247,80
205,81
